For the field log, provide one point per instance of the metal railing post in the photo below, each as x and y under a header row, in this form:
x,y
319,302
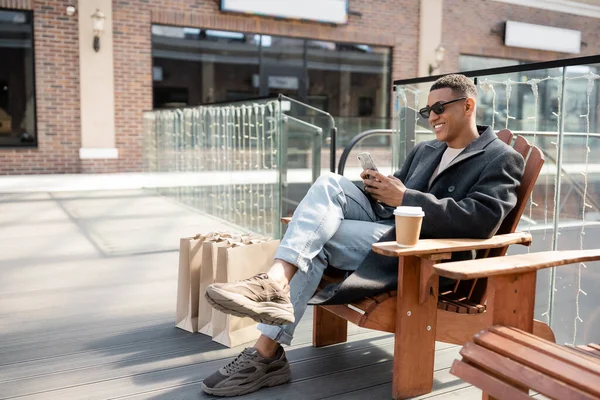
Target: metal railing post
x,y
332,144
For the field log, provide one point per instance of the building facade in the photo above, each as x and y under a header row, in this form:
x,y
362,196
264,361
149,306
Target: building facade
x,y
71,98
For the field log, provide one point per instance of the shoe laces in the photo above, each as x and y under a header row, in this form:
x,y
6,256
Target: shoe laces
x,y
240,360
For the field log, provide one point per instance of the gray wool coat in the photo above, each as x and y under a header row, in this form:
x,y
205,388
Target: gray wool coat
x,y
469,199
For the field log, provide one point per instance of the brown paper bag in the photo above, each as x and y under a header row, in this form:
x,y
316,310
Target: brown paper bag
x,y
234,264
190,256
207,277
190,260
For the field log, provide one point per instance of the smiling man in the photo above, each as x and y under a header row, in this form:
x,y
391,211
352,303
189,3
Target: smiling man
x,y
465,181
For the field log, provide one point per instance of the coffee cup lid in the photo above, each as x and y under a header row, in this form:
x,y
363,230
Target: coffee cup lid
x,y
407,211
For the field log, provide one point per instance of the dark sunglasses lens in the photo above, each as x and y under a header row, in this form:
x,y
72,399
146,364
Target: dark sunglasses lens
x,y
424,112
438,108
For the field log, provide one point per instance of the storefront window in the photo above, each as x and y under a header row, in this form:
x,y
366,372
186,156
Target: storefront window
x,y
17,88
352,78
197,66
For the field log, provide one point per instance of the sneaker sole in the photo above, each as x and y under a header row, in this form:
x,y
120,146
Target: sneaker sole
x,y
239,306
273,379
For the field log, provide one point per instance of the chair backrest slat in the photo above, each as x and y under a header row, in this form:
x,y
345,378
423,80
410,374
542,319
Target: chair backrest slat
x,y
534,160
506,136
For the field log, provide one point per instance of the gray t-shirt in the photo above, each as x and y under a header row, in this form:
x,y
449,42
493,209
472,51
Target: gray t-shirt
x,y
449,155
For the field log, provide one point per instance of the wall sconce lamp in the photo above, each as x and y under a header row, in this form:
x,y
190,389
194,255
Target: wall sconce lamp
x,y
439,57
98,18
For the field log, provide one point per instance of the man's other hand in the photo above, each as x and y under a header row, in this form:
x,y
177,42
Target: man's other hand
x,y
386,189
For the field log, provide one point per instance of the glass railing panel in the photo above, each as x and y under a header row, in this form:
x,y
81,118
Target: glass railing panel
x,y
224,160
378,145
576,302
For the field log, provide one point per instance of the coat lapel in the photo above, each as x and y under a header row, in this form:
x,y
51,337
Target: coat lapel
x,y
486,136
432,154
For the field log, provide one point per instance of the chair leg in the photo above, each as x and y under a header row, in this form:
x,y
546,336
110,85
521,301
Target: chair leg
x,y
511,301
414,346
328,328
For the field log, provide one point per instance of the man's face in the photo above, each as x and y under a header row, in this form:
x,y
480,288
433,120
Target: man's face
x,y
448,125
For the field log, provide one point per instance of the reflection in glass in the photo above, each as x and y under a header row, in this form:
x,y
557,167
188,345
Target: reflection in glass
x,y
17,89
194,66
197,66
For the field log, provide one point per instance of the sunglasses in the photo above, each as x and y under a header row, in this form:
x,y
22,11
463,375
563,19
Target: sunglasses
x,y
437,108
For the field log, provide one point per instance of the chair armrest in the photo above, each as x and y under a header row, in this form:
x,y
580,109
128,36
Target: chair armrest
x,y
436,246
515,264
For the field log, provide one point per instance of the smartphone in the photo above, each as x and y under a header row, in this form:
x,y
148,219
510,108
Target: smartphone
x,y
366,161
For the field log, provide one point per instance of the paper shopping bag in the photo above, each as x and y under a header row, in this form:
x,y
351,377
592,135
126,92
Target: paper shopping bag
x,y
207,277
190,259
234,264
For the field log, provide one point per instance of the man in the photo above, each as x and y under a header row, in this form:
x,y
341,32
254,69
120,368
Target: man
x,y
465,181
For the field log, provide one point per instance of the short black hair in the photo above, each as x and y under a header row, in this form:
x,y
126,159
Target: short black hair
x,y
460,85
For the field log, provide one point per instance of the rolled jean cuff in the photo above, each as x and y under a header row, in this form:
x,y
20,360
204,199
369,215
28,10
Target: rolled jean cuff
x,y
276,333
293,257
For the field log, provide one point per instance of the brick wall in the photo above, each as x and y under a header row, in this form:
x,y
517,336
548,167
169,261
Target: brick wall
x,y
460,35
57,93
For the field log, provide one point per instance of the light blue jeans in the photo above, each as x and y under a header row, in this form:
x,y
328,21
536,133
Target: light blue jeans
x,y
334,224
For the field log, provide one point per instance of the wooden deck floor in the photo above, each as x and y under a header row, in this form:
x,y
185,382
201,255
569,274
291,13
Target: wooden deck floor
x,y
87,299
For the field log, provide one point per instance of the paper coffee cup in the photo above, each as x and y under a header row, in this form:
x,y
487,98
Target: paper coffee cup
x,y
408,225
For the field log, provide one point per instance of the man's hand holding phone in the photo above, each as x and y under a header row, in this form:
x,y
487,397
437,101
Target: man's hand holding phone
x,y
385,189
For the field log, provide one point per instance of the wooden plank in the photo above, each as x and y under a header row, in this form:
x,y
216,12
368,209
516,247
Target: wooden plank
x,y
459,328
434,246
522,146
460,308
519,263
590,350
121,376
307,362
415,332
37,351
307,386
543,330
328,328
466,393
506,136
382,316
570,374
339,384
460,301
582,352
486,382
511,300
343,311
516,374
445,386
140,352
365,304
533,166
558,352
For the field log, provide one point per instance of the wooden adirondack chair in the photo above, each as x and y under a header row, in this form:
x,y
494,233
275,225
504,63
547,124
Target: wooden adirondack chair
x,y
506,363
531,362
415,312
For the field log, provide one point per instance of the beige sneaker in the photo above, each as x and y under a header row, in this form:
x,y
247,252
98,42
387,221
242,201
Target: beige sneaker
x,y
248,373
259,298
